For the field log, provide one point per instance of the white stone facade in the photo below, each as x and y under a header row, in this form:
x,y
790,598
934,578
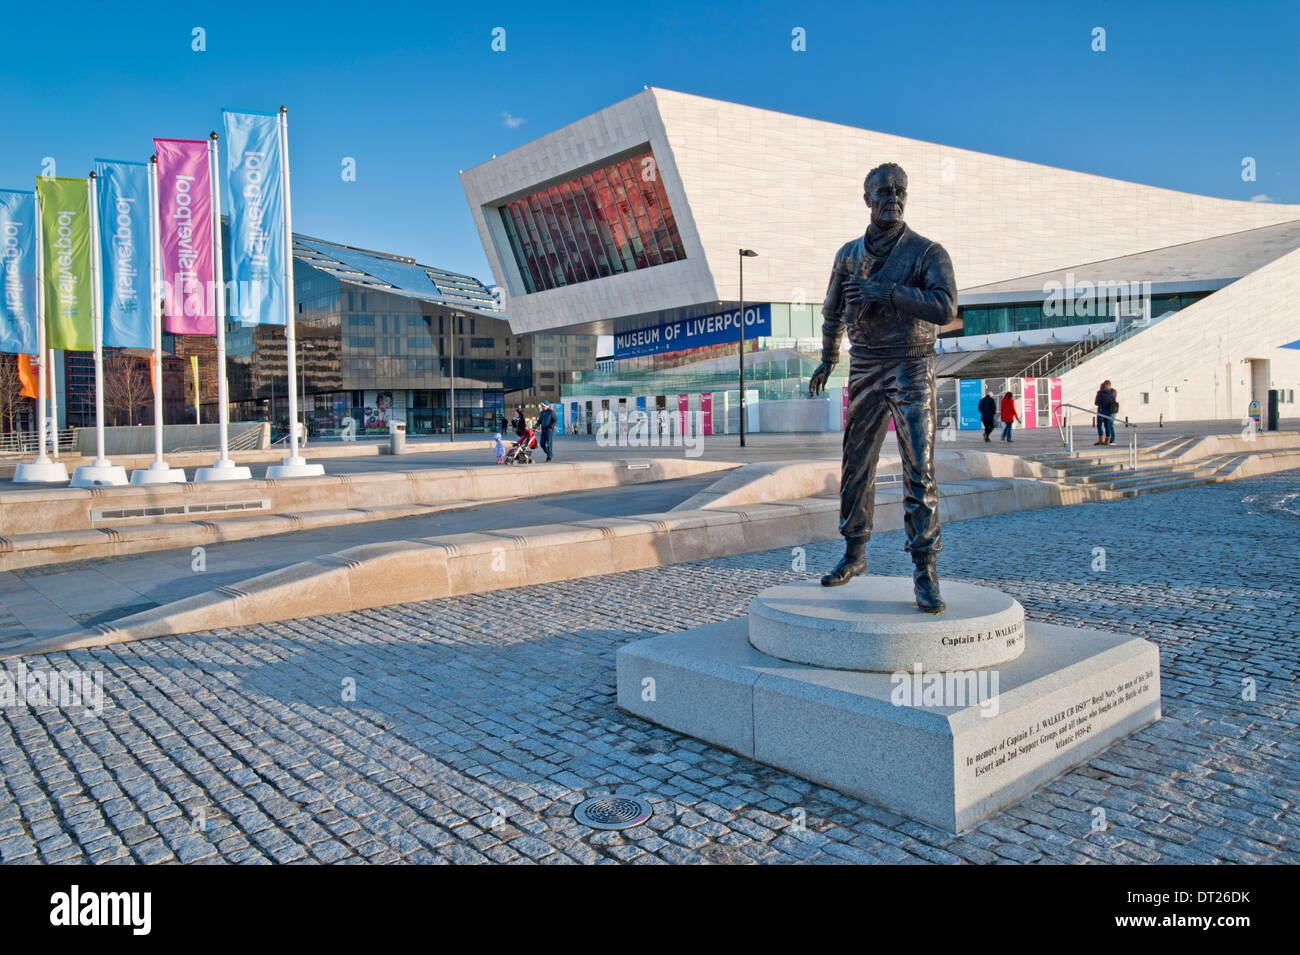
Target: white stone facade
x,y
1205,352
791,189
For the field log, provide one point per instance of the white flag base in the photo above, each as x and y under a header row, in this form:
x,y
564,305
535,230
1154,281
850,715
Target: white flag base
x,y
158,472
294,467
102,473
223,470
40,471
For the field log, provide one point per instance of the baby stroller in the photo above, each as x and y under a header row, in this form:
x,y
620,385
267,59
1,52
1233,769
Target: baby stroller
x,y
521,452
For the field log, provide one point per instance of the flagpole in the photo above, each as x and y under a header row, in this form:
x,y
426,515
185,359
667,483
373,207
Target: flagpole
x,y
54,407
158,472
225,469
96,320
42,469
43,378
294,465
101,471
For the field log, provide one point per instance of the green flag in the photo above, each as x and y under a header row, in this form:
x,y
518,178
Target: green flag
x,y
65,244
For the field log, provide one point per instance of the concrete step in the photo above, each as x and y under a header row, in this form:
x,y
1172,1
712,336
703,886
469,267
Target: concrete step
x,y
1109,474
1165,485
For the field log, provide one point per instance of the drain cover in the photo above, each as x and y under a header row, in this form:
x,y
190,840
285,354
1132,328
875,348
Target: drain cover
x,y
613,812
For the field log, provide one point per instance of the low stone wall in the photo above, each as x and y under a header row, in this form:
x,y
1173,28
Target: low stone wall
x,y
1261,442
785,480
139,440
43,526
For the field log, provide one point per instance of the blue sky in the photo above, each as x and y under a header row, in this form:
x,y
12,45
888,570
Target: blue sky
x,y
414,93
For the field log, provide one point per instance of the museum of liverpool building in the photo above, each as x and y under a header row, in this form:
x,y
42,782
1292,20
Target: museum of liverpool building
x,y
628,223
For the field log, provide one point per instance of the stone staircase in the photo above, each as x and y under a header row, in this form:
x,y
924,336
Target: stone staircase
x,y
1106,469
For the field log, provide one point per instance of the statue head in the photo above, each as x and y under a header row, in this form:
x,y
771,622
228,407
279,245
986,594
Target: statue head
x,y
885,192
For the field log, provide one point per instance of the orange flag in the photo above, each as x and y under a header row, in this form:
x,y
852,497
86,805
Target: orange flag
x,y
29,376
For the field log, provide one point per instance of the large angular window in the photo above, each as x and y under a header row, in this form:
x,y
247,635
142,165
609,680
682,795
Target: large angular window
x,y
610,220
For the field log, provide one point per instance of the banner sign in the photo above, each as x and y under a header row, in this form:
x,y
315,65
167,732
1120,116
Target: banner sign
x,y
1029,395
706,412
17,272
255,188
185,224
1054,391
969,393
687,333
65,246
123,197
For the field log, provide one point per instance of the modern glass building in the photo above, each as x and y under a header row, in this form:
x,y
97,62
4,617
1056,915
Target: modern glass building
x,y
382,338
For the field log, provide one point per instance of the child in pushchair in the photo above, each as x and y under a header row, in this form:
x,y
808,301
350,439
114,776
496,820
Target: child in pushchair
x,y
521,452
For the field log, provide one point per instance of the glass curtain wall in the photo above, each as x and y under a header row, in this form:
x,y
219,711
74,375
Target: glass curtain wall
x,y
610,220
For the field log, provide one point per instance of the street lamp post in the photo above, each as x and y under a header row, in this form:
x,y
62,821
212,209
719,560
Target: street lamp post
x,y
744,254
452,393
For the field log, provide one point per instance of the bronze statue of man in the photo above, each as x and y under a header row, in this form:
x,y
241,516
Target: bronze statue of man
x,y
891,289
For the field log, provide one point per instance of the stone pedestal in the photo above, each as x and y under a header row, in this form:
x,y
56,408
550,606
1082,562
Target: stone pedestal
x,y
294,467
871,623
101,473
223,470
158,472
946,746
41,471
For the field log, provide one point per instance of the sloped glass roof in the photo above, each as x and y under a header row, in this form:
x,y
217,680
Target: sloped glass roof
x,y
392,273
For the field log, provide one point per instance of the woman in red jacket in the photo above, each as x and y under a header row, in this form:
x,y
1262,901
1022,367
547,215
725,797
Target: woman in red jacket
x,y
1009,416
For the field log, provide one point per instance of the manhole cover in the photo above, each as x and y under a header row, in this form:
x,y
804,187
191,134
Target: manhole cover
x,y
613,812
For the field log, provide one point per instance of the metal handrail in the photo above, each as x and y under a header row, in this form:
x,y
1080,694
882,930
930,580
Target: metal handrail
x,y
1065,428
27,442
1025,372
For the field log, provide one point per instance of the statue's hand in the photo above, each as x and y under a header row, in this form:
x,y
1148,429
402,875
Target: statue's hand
x,y
864,292
817,384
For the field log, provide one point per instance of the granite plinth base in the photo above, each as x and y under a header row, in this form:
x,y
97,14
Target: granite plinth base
x,y
948,749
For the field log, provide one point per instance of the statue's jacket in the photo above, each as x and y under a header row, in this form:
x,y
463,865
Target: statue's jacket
x,y
922,296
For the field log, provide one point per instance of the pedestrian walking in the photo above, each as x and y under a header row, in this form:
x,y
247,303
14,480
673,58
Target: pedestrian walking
x,y
1107,402
988,409
546,421
518,423
1009,416
500,448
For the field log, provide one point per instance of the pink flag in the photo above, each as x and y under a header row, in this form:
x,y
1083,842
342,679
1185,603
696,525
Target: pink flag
x,y
185,224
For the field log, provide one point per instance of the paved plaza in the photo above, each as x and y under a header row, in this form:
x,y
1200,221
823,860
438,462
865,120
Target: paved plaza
x,y
766,447
465,730
56,599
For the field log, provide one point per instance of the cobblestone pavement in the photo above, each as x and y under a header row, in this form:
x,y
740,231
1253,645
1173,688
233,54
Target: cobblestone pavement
x,y
479,722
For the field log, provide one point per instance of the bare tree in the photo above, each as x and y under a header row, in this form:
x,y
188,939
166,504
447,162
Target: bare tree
x,y
11,399
126,386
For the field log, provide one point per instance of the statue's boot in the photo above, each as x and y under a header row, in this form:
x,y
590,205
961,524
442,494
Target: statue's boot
x,y
851,564
925,583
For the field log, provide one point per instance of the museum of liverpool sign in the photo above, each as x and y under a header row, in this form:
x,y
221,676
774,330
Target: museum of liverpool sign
x,y
694,332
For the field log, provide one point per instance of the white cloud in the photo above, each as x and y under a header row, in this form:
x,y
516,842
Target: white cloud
x,y
510,121
1262,197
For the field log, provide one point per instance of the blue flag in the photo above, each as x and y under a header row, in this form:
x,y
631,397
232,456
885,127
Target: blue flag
x,y
123,198
256,189
18,272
